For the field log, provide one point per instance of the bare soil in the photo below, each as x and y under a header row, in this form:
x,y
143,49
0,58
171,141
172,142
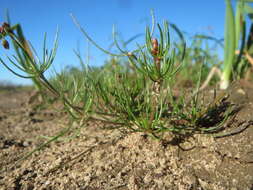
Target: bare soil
x,y
109,159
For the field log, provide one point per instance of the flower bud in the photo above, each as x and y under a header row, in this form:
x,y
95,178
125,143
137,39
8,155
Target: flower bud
x,y
5,44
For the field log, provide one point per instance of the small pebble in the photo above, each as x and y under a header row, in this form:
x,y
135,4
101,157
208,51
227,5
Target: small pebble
x,y
241,91
26,143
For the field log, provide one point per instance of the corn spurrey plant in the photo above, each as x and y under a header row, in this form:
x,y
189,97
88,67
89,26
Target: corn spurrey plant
x,y
137,96
16,33
134,91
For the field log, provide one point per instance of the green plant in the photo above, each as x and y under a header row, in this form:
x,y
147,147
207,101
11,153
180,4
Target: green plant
x,y
140,95
200,46
235,38
137,96
15,33
237,46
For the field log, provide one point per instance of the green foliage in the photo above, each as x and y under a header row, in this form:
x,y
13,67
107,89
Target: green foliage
x,y
134,90
26,59
201,53
235,39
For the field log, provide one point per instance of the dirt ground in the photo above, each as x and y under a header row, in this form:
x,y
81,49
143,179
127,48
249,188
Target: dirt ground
x,y
100,159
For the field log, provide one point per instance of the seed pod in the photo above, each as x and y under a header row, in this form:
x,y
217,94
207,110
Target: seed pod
x,y
6,27
155,45
5,44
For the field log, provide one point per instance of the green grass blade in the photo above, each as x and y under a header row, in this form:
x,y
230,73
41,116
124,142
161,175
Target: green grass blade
x,y
229,48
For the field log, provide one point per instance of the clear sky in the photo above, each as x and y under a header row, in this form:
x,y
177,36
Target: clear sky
x,y
98,17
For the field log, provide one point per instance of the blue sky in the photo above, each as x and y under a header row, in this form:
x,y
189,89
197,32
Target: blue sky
x,y
98,17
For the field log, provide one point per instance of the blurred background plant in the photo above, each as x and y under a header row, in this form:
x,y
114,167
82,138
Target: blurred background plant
x,y
238,60
25,59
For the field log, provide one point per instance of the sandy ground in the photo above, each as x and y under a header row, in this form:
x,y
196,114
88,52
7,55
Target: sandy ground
x,y
95,158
